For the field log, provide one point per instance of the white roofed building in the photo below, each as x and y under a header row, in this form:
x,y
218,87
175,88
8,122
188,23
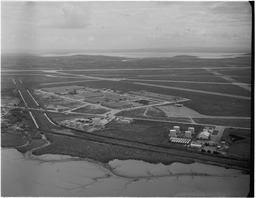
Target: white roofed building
x,y
204,135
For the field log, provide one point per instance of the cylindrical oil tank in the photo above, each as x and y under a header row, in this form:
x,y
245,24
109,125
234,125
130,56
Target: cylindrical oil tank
x,y
188,134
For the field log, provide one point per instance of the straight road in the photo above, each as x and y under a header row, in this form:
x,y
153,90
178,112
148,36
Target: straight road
x,y
180,81
122,69
40,119
195,90
229,79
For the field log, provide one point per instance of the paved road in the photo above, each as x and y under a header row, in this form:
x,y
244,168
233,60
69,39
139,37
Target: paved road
x,y
39,118
180,81
196,91
122,69
229,79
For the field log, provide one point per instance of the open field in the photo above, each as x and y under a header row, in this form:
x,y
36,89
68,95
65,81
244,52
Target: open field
x,y
90,109
242,146
155,112
58,117
242,72
16,129
132,113
203,103
225,122
103,152
194,77
243,79
219,88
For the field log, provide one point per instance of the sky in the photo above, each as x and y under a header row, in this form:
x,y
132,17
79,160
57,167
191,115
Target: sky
x,y
117,25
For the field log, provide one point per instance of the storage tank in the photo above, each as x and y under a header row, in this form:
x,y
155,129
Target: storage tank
x,y
173,133
188,134
177,128
72,123
192,129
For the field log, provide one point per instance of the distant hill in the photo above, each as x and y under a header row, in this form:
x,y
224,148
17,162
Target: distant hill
x,y
184,57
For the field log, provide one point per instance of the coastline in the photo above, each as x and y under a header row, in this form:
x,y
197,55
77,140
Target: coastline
x,y
141,55
124,177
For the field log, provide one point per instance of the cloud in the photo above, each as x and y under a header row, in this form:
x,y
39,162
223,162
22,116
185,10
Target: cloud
x,y
74,17
91,39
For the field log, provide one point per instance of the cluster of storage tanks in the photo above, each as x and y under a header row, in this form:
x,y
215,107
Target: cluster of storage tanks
x,y
176,130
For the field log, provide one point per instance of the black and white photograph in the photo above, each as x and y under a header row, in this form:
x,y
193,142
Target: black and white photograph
x,y
127,99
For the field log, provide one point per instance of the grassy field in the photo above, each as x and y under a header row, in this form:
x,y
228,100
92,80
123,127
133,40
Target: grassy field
x,y
203,103
225,122
12,140
155,112
243,79
103,152
58,117
181,77
145,131
219,88
132,113
90,109
242,72
46,99
16,129
241,147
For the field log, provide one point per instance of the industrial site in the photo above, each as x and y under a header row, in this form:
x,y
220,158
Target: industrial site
x,y
92,110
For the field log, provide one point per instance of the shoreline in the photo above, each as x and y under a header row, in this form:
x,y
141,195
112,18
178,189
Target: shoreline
x,y
78,157
142,55
56,158
118,178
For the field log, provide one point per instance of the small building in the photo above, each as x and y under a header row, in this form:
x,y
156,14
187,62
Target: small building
x,y
80,126
72,123
204,135
104,121
177,128
195,145
188,134
126,120
173,133
192,129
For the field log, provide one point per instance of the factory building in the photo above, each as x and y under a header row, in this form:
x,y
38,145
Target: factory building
x,y
195,145
204,135
173,133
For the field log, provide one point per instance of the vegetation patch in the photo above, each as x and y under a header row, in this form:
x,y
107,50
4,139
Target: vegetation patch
x,y
132,113
155,112
225,122
91,110
104,152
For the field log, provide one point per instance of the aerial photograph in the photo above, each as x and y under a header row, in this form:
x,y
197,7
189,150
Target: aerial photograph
x,y
127,99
